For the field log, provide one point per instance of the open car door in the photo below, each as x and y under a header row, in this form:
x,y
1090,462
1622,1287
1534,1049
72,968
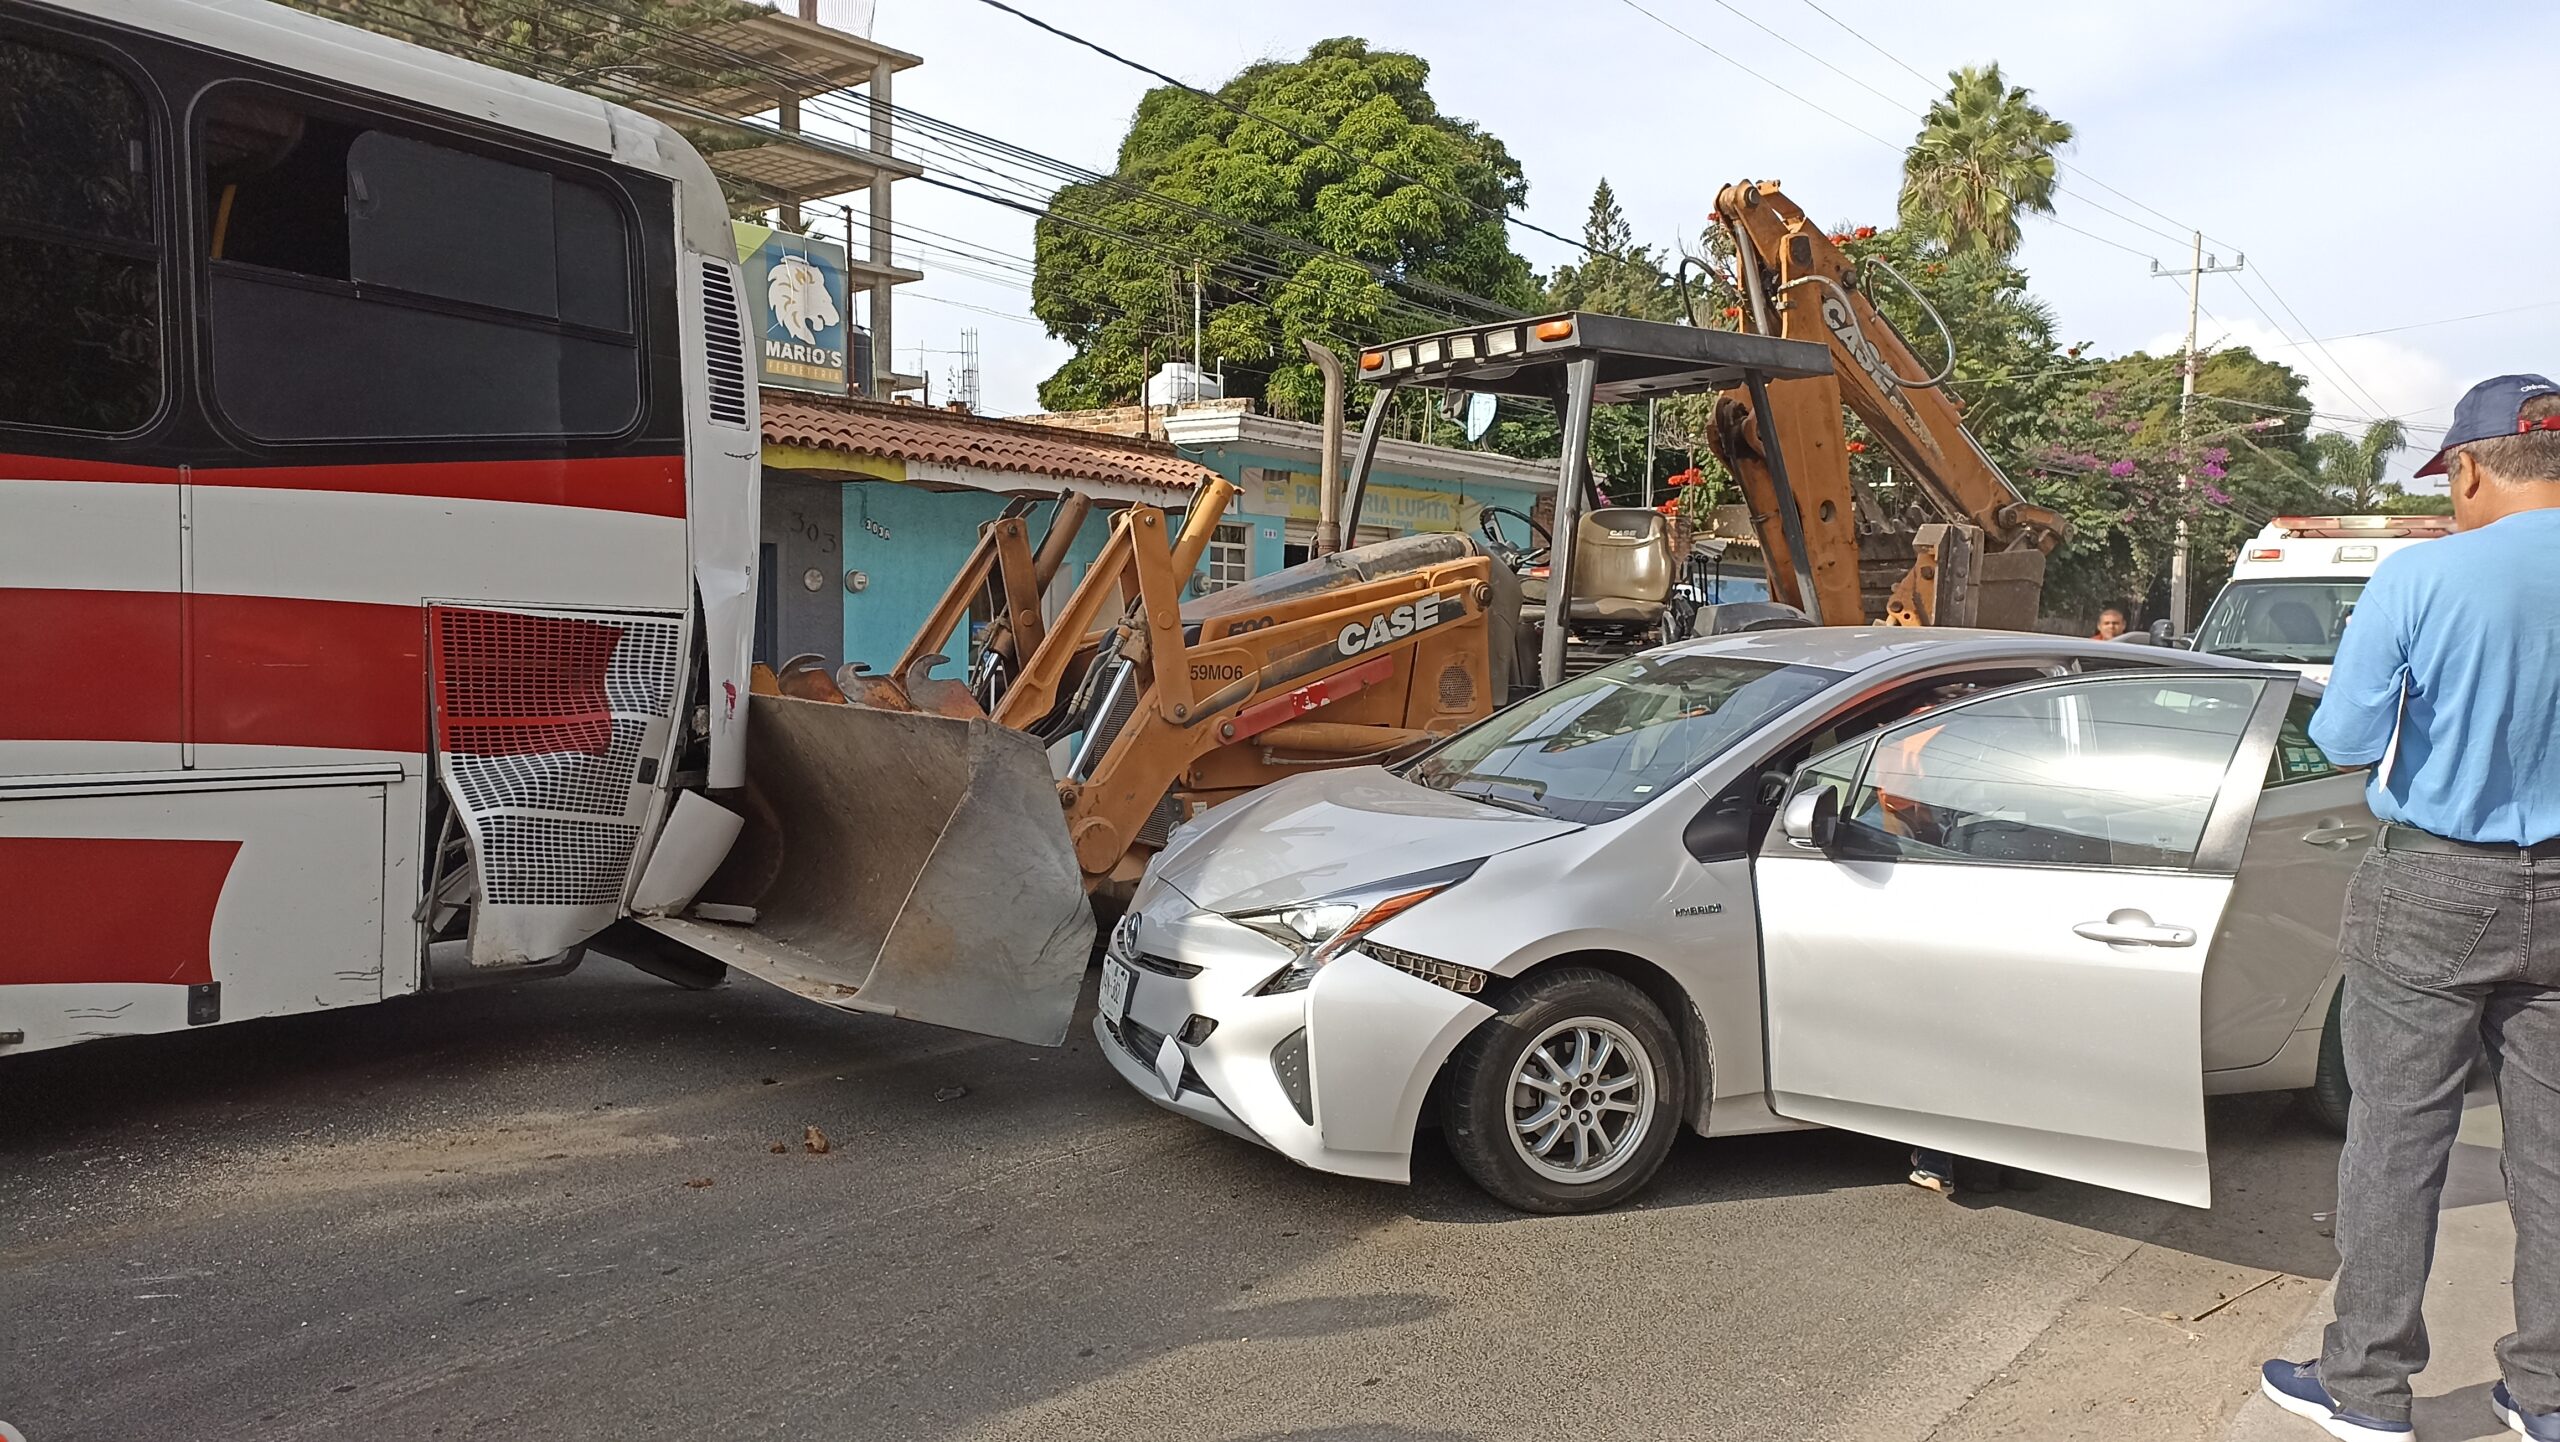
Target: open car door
x,y
1985,928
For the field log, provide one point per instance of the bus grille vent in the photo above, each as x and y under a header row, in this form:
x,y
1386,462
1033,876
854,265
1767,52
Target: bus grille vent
x,y
724,346
548,727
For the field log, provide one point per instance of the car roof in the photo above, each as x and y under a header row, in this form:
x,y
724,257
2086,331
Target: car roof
x,y
1863,648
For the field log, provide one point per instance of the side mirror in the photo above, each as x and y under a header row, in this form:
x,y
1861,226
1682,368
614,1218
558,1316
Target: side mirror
x,y
2161,635
1813,819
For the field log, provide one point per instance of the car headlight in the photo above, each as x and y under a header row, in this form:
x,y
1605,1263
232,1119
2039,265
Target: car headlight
x,y
1324,928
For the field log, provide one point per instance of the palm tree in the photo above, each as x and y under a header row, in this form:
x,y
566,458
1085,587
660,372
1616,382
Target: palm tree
x,y
2350,468
1984,153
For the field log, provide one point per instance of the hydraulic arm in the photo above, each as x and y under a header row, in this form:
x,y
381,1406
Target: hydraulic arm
x,y
1798,285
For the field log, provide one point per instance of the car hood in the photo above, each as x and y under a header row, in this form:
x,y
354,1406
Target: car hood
x,y
1327,831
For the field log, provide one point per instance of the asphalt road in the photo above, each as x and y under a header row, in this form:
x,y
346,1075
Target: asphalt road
x,y
554,1210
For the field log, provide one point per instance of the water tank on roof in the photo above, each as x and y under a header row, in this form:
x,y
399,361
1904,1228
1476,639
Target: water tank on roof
x,y
1180,383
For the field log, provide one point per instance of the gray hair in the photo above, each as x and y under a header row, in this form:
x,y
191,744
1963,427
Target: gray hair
x,y
2531,456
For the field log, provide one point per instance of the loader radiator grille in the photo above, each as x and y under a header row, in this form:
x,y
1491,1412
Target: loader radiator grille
x,y
1457,687
545,725
1161,821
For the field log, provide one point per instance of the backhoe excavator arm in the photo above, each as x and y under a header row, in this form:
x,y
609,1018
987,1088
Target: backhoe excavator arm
x,y
1798,285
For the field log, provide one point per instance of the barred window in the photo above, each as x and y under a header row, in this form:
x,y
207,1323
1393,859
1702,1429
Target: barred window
x,y
1230,559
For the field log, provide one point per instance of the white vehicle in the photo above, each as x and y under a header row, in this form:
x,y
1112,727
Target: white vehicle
x,y
378,494
2031,899
2294,585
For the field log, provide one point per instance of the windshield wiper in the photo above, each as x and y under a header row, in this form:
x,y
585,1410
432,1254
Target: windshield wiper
x,y
1490,797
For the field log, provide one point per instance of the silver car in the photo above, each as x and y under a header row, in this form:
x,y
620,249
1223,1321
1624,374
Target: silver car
x,y
2021,898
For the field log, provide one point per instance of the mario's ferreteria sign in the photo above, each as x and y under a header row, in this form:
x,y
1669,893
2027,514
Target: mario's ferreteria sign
x,y
799,307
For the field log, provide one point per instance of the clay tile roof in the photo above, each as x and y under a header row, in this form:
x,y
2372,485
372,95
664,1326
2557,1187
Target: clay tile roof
x,y
950,438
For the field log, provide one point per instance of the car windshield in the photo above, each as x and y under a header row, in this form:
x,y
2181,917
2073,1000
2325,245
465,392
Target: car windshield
x,y
1603,744
2296,622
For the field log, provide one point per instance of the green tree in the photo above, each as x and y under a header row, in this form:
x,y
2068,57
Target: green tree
x,y
1114,261
1618,276
2112,458
2351,467
1985,152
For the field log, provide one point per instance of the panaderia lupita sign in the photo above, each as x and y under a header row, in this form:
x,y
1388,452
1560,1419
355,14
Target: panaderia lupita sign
x,y
798,307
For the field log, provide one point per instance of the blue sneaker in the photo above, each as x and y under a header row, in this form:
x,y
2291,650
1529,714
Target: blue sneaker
x,y
2295,1386
2532,1426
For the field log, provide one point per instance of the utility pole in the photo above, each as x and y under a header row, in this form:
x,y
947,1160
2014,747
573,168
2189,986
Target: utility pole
x,y
2199,265
1195,333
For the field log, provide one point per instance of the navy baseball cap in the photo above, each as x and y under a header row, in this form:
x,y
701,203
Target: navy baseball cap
x,y
2494,407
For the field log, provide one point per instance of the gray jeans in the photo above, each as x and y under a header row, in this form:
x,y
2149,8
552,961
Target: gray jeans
x,y
2445,956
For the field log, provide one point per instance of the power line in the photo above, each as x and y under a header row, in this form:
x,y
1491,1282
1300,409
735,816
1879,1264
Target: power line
x,y
1502,217
2321,346
461,40
2425,324
2346,386
1381,273
1845,121
1861,38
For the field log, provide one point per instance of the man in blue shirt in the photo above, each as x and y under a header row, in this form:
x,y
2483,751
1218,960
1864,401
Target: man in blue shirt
x,y
2448,682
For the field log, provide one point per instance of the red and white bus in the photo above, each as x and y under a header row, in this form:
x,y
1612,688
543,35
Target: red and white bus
x,y
378,483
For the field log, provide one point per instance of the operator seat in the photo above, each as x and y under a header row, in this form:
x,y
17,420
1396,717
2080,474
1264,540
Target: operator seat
x,y
1622,570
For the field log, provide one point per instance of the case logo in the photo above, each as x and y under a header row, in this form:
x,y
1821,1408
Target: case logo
x,y
1388,626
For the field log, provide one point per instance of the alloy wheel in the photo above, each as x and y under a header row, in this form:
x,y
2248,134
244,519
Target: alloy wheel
x,y
1581,1099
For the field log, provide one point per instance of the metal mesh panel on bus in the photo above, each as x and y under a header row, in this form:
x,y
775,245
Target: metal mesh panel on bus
x,y
544,721
509,684
531,861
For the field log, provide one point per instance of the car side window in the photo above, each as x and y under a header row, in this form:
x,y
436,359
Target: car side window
x,y
2297,756
2118,771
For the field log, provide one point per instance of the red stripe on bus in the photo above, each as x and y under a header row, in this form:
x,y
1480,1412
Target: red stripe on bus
x,y
647,485
79,909
643,485
59,468
268,671
89,665
276,671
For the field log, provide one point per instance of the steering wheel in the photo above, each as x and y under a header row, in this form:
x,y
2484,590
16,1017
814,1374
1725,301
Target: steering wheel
x,y
1513,556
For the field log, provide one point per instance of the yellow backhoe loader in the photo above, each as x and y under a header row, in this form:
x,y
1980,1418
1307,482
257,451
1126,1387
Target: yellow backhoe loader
x,y
936,846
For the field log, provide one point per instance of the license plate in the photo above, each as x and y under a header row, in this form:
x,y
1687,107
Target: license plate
x,y
1114,1002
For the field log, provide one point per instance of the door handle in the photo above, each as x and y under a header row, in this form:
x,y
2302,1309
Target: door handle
x,y
2132,928
2331,835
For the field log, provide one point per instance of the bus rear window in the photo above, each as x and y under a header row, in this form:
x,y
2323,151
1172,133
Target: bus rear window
x,y
370,285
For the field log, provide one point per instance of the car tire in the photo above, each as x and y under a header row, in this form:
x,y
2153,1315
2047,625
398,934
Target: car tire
x,y
1586,1156
2327,1097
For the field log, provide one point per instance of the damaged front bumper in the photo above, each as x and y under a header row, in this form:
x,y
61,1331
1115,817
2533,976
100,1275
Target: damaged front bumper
x,y
1333,1076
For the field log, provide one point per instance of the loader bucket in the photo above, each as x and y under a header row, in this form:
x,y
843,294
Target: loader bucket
x,y
904,863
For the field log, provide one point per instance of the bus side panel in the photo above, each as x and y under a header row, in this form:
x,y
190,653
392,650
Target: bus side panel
x,y
131,911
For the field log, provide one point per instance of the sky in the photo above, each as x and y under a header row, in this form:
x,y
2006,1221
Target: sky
x,y
2383,166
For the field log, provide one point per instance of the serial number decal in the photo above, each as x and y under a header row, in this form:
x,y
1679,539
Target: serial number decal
x,y
1215,671
1388,626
